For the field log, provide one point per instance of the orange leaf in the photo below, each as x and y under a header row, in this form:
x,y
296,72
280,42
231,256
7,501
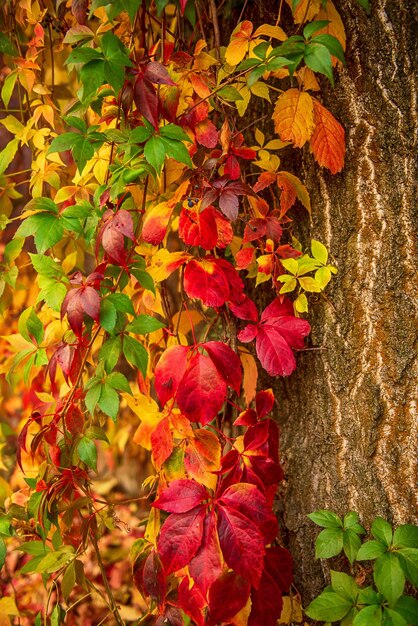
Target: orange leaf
x,y
239,44
249,382
292,187
328,140
203,457
293,117
305,10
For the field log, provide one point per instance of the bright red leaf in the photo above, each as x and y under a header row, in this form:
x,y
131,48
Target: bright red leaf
x,y
169,372
180,538
181,496
206,566
226,362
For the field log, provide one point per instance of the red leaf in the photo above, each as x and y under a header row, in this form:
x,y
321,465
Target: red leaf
x,y
225,232
146,100
255,229
266,601
180,538
246,310
244,257
248,333
77,302
264,402
277,308
161,442
154,579
192,601
181,496
169,372
274,352
246,418
328,139
74,419
206,566
201,392
198,229
206,134
242,544
264,180
79,10
157,74
249,501
183,4
226,362
236,286
204,279
229,204
227,596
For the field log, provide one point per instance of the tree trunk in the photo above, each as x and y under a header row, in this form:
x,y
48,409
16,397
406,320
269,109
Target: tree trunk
x,y
348,413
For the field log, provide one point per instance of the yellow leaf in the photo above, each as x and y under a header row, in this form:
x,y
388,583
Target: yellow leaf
x,y
242,105
307,79
259,137
271,31
249,381
164,263
8,606
305,10
294,117
261,90
156,221
291,611
203,457
239,44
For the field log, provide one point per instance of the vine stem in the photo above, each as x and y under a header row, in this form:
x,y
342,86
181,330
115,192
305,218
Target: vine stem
x,y
216,32
108,588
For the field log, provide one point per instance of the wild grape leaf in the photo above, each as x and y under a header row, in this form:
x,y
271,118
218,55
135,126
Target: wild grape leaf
x,y
246,310
201,392
266,601
226,362
156,221
202,457
79,10
146,100
192,601
328,139
294,117
156,73
161,442
226,193
198,228
111,236
181,496
79,302
205,279
249,501
242,543
180,538
264,403
206,566
227,596
169,371
154,579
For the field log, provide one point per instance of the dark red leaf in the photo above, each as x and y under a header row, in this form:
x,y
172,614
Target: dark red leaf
x,y
77,302
242,544
146,100
74,420
264,402
154,579
169,372
249,501
201,392
206,566
180,538
181,496
79,10
157,74
255,229
256,436
227,596
246,418
246,310
226,362
229,204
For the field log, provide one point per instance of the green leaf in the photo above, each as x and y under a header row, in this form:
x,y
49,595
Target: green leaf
x,y
230,94
63,142
408,558
328,607
110,352
118,381
107,315
93,395
53,561
333,45
136,354
318,58
144,324
311,28
49,231
351,544
344,585
83,54
406,536
370,550
8,154
109,401
139,135
389,577
172,131
326,519
6,46
290,283
144,279
393,618
351,521
369,616
329,543
382,530
8,87
122,303
408,608
291,265
369,596
3,551
177,151
154,152
87,451
320,253
82,151
365,4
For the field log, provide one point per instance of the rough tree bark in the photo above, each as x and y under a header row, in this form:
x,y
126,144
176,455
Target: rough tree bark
x,y
348,413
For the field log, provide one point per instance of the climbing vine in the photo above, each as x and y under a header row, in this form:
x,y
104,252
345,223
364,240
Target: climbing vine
x,y
140,211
